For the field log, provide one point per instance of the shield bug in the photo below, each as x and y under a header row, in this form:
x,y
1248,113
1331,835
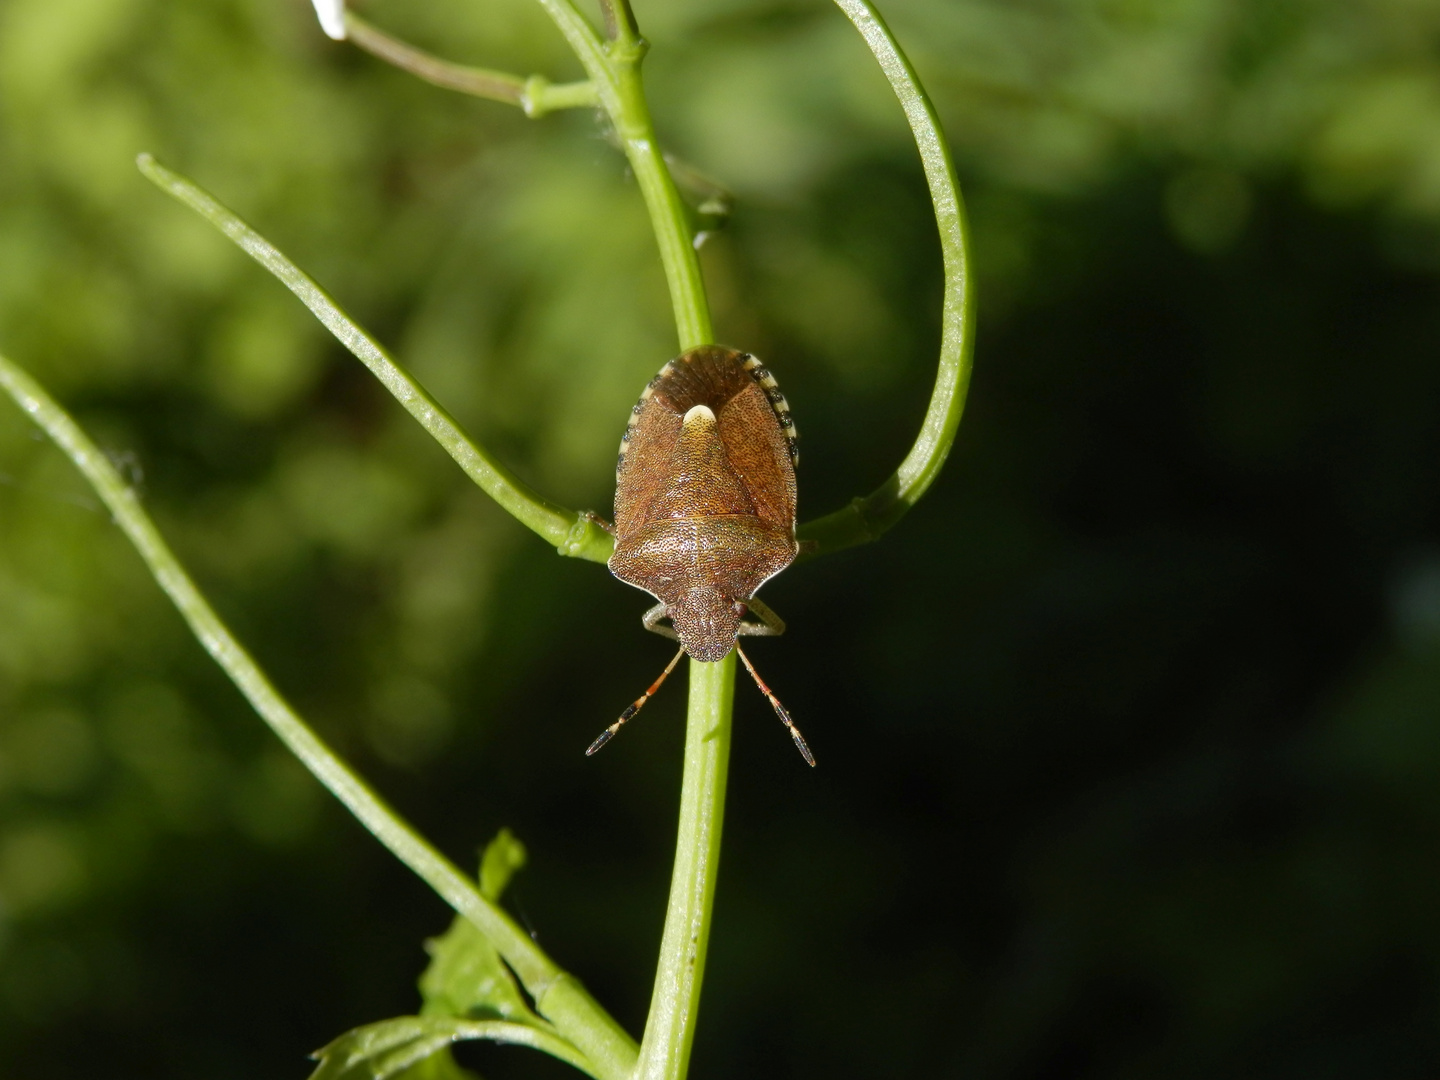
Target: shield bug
x,y
705,508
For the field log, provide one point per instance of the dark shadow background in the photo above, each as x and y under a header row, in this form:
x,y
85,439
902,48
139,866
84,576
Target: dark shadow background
x,y
1129,735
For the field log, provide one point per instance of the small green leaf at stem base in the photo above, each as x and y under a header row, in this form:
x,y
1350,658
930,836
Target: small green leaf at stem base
x,y
561,998
388,1049
441,1065
503,858
466,978
467,992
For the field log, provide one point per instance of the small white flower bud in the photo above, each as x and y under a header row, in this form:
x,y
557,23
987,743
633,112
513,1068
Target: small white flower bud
x,y
332,17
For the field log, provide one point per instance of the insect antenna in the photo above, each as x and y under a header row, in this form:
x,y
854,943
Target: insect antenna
x,y
779,709
636,706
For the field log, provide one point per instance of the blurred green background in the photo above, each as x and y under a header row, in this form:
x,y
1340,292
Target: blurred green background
x,y
1129,737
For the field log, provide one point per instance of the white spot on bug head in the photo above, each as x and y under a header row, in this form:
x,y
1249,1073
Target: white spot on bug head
x,y
699,412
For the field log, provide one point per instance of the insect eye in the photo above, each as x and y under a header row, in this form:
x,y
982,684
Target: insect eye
x,y
740,608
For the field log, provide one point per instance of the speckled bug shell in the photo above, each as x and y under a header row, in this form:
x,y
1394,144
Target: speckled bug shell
x,y
705,493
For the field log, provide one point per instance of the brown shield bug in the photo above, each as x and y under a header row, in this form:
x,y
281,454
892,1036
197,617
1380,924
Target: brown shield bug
x,y
705,508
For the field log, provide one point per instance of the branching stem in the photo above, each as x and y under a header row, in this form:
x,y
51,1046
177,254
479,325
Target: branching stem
x,y
537,95
680,971
614,68
558,996
615,84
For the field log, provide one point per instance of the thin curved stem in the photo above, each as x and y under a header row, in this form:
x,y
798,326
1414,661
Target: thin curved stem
x,y
536,95
571,533
670,1027
868,517
557,995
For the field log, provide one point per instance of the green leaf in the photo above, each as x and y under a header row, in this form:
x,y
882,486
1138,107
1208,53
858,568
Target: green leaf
x,y
387,1049
378,1051
466,977
503,857
441,1065
467,992
468,980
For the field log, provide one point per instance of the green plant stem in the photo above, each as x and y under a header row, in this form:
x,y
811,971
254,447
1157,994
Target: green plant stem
x,y
619,21
680,970
614,68
536,95
630,113
667,210
571,533
670,1027
558,996
868,517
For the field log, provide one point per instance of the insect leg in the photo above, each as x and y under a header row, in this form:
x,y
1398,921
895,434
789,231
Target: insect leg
x,y
596,519
779,709
652,618
639,703
770,624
